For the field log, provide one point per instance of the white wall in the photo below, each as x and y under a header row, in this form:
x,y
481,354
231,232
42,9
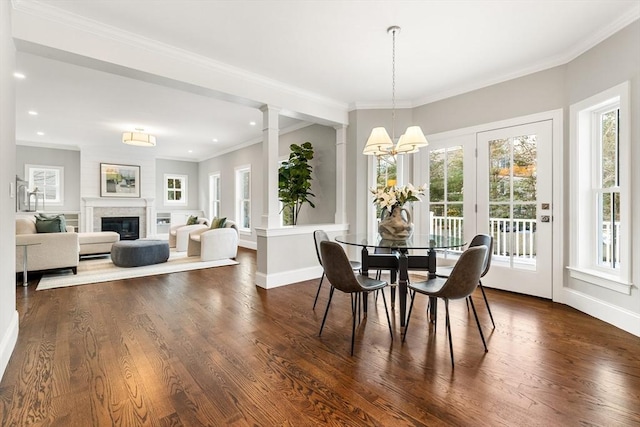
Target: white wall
x,y
124,155
323,139
226,164
323,176
177,167
611,62
68,159
8,313
615,60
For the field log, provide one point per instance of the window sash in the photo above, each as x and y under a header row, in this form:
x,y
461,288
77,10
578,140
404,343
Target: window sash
x,y
175,189
243,198
48,180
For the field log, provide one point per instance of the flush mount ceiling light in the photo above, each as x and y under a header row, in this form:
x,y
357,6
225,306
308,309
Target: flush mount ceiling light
x,y
139,138
379,142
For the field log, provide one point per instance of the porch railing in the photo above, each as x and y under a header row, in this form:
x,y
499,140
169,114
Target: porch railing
x,y
517,237
510,237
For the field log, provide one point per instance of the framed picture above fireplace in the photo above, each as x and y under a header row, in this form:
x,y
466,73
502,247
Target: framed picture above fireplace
x,y
119,180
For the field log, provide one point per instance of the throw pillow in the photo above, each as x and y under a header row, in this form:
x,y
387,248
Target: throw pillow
x,y
50,223
218,222
192,220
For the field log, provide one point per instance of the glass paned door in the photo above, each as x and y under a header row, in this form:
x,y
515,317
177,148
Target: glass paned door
x,y
514,205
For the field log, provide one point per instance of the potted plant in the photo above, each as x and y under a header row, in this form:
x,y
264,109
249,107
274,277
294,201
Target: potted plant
x,y
294,181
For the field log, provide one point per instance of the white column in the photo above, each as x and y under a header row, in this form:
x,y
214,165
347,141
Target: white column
x,y
270,205
341,179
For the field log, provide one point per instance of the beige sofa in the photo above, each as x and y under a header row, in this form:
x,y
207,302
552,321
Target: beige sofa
x,y
53,250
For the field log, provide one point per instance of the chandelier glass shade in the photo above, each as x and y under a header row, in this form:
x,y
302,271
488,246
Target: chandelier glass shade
x,y
139,138
379,142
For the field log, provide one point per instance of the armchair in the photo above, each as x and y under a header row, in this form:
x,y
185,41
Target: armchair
x,y
179,234
214,243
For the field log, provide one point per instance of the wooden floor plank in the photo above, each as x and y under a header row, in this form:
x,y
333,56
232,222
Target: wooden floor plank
x,y
208,347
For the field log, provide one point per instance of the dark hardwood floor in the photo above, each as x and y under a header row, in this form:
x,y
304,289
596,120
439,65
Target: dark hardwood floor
x,y
208,347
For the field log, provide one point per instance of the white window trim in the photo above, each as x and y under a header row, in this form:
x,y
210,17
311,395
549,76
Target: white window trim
x,y
212,176
582,262
238,199
60,169
185,190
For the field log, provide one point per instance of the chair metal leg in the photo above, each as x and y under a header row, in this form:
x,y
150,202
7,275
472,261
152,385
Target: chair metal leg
x,y
327,310
446,307
486,301
386,310
406,326
354,302
473,307
318,291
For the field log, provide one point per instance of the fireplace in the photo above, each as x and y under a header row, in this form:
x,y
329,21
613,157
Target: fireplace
x,y
127,226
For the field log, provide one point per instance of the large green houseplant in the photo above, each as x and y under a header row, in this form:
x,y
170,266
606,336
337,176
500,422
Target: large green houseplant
x,y
294,181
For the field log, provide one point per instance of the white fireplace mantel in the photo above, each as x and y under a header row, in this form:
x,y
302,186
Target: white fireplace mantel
x,y
146,203
118,202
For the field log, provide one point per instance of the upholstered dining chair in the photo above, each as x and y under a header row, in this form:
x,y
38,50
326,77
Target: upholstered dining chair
x,y
340,273
320,236
478,240
462,281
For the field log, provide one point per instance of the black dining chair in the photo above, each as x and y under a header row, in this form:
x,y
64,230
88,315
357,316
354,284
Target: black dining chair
x,y
462,281
342,277
320,236
478,240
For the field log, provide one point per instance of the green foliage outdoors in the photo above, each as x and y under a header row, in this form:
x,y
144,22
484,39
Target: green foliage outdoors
x,y
294,181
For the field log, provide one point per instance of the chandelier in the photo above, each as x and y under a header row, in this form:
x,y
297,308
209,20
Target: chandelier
x,y
379,142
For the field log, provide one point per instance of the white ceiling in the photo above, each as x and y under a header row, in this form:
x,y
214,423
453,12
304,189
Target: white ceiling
x,y
336,49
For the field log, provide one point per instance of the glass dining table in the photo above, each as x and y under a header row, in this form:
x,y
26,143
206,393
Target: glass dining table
x,y
395,256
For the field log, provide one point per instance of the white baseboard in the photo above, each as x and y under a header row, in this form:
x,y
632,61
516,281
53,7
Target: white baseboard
x,y
617,316
269,281
8,343
248,244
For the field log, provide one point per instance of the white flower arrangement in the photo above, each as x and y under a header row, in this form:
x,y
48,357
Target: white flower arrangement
x,y
389,197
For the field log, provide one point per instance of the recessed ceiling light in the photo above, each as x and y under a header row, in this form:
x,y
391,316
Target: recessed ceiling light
x,y
40,133
19,75
215,139
252,123
190,151
33,113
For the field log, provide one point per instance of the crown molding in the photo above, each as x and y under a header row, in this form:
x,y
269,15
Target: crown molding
x,y
47,11
35,144
562,59
380,105
257,140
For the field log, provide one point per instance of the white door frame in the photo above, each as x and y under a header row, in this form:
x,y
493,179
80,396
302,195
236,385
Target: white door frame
x,y
556,116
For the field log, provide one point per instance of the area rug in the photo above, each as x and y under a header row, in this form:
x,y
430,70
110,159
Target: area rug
x,y
98,270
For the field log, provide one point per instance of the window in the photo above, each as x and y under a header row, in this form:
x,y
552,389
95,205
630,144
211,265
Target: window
x,y
446,183
214,195
175,189
600,251
243,198
48,180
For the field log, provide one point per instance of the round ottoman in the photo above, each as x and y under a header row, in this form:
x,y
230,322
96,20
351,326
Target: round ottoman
x,y
136,253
